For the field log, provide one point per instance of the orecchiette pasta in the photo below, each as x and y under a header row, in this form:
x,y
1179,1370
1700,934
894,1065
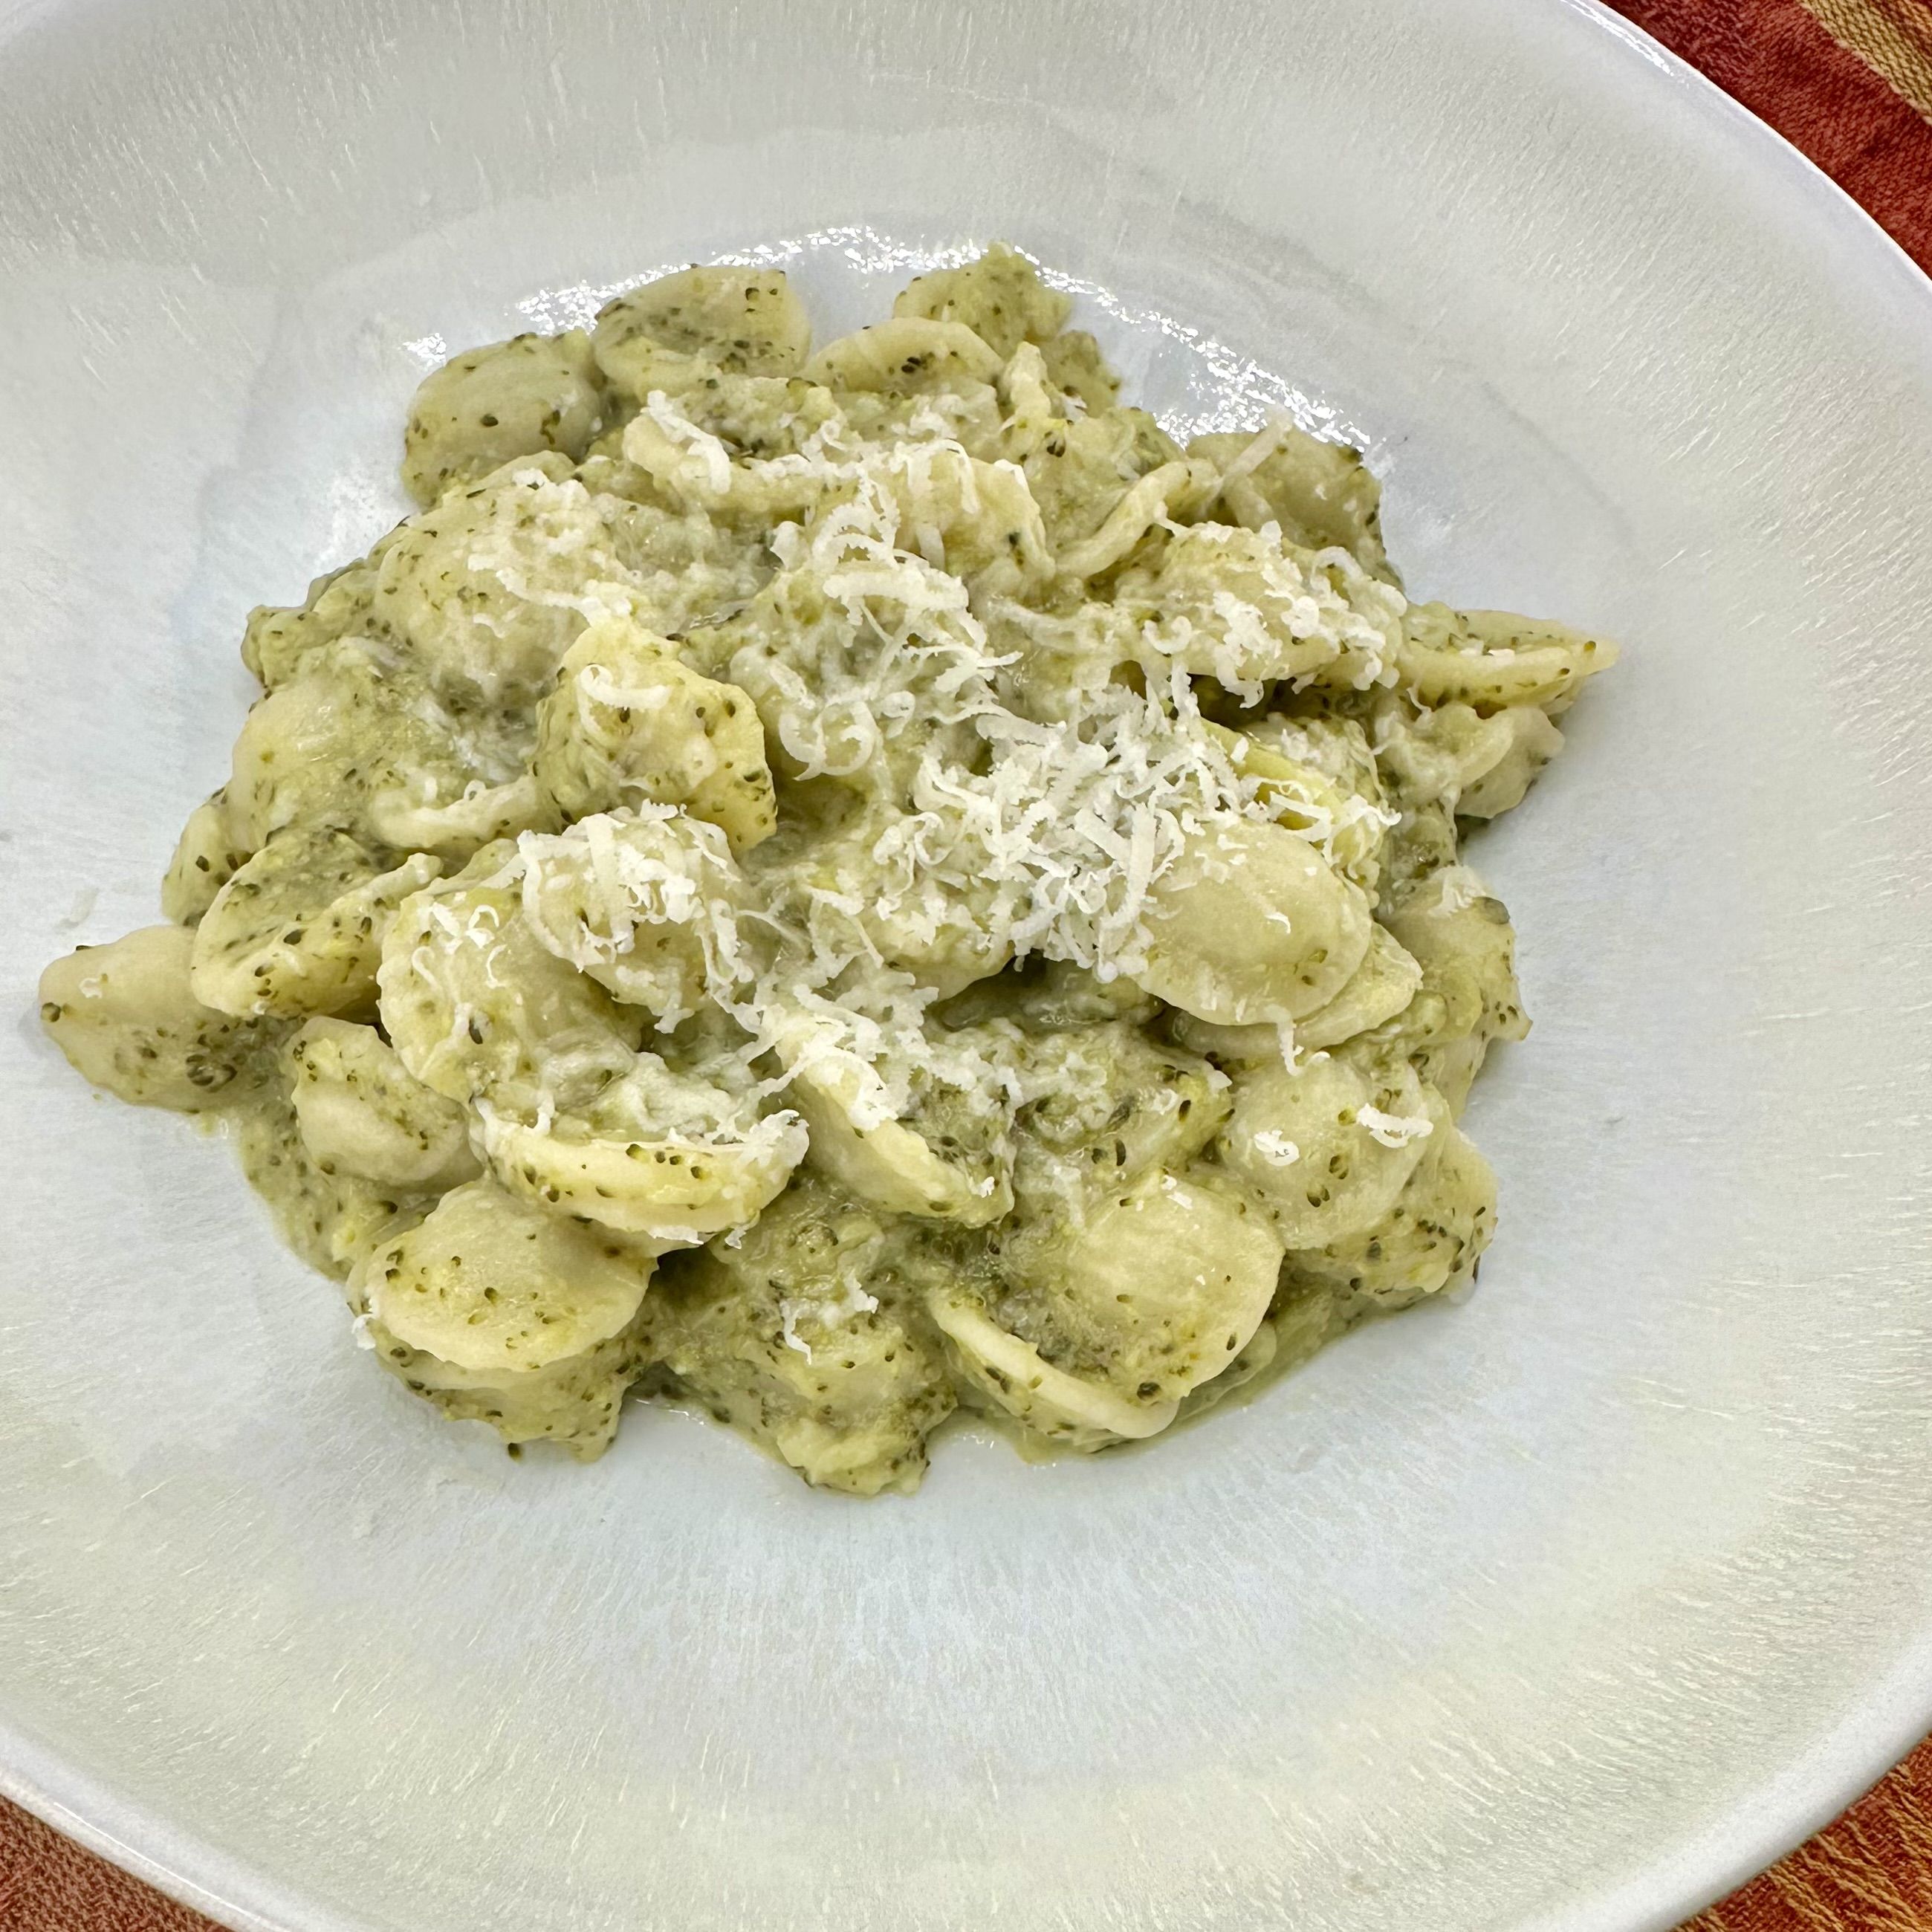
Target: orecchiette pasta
x,y
298,928
629,723
1148,1289
482,409
278,642
746,322
997,296
1328,1148
505,1314
1431,1237
910,355
489,585
836,886
127,1016
205,860
895,1150
1252,923
479,1008
332,1218
1317,493
664,1156
359,1111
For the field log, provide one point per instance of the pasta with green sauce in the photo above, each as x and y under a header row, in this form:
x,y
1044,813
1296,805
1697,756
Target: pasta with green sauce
x,y
832,886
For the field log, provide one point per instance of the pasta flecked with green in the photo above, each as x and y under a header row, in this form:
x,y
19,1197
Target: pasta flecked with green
x,y
833,887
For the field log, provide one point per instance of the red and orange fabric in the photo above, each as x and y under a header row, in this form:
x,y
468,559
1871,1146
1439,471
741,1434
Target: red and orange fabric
x,y
1850,82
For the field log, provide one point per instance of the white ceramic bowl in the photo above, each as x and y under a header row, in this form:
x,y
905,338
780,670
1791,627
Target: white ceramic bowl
x,y
1564,1608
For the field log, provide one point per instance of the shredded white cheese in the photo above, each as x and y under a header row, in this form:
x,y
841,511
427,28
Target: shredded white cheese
x,y
831,1312
1393,1130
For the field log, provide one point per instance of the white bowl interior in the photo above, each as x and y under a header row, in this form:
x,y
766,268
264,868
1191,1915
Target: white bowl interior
x,y
1562,1607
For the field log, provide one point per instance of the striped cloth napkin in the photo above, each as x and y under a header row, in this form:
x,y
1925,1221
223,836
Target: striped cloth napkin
x,y
1850,82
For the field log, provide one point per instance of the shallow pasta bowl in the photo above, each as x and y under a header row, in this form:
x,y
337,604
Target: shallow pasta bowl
x,y
1563,1607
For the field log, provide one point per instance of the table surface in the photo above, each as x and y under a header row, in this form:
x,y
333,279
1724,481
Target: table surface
x,y
1850,82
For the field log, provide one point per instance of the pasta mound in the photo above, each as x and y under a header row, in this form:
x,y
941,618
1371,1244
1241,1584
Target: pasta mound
x,y
833,887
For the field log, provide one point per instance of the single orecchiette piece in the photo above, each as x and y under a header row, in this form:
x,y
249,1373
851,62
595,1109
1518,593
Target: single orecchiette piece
x,y
644,901
486,406
126,1017
1318,494
1531,741
501,1314
699,472
1252,923
1478,766
205,858
1491,659
296,746
1462,940
1329,1147
478,1007
874,1145
787,650
1248,609
279,642
1431,1236
658,1154
1150,1292
1079,1410
361,1112
908,357
489,586
999,296
744,321
1461,937
1319,777
299,929
1166,1278
628,724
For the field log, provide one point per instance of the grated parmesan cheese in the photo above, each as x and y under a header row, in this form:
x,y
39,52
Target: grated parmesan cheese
x,y
1393,1130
